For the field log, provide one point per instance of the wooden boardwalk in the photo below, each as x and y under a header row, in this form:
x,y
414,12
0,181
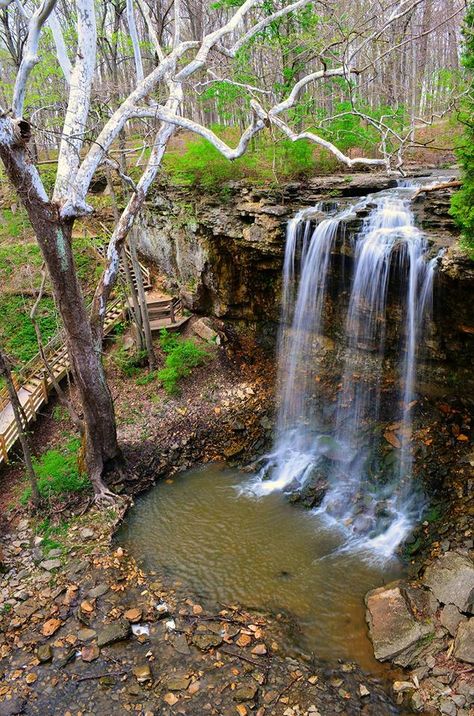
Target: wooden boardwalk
x,y
34,384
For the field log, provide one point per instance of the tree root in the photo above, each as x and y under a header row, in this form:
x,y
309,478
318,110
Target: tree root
x,y
106,498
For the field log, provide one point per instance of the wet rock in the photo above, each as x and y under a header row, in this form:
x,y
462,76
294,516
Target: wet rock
x,y
464,642
180,643
86,634
68,656
50,564
142,673
116,631
451,579
178,683
12,707
207,641
450,617
98,591
395,632
245,692
44,653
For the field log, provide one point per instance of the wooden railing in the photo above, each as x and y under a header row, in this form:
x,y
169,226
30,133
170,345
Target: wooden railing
x,y
36,381
101,250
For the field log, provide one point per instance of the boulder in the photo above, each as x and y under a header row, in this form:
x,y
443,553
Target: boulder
x,y
395,632
464,642
451,579
202,329
50,564
450,617
116,631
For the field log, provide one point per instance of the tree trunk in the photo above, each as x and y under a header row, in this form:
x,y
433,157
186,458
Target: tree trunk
x,y
5,371
142,298
54,237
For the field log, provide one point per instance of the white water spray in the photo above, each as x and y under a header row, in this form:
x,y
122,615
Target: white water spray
x,y
373,507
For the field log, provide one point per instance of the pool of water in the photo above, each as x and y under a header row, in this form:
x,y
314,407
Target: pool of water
x,y
226,546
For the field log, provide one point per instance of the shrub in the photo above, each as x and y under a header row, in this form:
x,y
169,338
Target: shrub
x,y
129,363
182,355
57,472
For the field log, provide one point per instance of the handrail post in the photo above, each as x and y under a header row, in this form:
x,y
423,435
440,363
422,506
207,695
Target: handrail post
x,y
3,448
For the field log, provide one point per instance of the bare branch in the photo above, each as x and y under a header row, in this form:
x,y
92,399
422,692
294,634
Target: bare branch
x,y
77,113
132,27
30,55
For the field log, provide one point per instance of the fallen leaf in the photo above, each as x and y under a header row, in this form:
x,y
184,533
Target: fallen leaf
x,y
133,615
90,652
244,640
87,607
51,626
259,650
170,699
31,678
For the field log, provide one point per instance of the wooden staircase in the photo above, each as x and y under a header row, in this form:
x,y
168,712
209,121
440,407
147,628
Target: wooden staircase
x,y
101,250
165,312
33,383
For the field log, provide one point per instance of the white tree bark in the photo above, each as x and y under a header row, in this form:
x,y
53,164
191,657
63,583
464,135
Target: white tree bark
x,y
75,122
132,27
30,54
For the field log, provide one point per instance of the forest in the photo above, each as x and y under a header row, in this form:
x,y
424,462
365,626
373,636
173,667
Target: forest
x,y
236,351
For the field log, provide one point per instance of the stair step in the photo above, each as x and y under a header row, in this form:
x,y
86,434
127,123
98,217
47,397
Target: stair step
x,y
159,324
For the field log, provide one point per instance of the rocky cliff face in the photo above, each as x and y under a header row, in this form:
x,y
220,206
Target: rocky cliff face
x,y
224,254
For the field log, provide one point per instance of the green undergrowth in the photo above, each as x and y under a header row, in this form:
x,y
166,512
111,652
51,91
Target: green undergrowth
x,y
14,224
201,164
51,534
129,363
16,328
182,355
57,472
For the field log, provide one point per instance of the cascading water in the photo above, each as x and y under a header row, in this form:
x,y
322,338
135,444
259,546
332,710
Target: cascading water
x,y
374,508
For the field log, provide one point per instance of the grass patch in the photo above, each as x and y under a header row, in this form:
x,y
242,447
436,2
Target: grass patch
x,y
57,473
14,224
51,534
16,328
15,256
182,355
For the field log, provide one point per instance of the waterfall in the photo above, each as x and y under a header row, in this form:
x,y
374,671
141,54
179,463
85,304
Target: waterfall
x,y
361,447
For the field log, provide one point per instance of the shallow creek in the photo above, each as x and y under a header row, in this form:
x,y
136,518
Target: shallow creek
x,y
229,547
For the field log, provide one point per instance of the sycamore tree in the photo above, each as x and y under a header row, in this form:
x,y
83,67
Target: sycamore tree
x,y
181,53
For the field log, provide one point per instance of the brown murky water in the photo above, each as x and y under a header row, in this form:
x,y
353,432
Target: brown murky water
x,y
265,553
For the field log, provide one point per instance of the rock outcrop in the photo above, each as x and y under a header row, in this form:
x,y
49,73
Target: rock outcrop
x,y
414,625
